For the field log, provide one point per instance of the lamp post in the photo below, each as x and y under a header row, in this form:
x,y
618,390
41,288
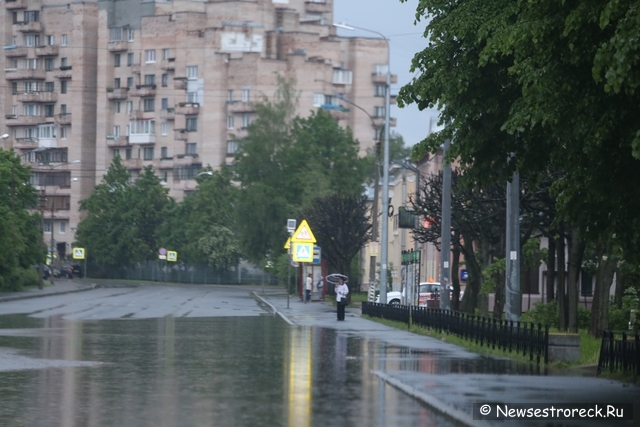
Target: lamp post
x,y
385,167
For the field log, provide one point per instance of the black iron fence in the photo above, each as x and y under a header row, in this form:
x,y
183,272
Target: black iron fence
x,y
620,352
520,337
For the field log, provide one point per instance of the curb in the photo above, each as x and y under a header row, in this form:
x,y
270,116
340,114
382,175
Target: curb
x,y
273,307
37,295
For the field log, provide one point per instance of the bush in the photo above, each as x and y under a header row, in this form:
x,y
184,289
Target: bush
x,y
545,313
20,278
619,317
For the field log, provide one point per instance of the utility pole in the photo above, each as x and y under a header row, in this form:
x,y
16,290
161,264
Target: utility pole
x,y
445,233
513,298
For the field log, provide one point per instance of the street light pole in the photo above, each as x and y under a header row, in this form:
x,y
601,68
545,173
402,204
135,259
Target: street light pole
x,y
385,168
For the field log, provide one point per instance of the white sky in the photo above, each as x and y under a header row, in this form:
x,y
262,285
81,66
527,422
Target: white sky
x,y
395,21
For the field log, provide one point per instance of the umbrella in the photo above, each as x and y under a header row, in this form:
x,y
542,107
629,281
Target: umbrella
x,y
333,278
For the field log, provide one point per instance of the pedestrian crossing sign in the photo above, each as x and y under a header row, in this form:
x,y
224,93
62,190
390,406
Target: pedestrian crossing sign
x,y
303,252
303,234
172,256
78,253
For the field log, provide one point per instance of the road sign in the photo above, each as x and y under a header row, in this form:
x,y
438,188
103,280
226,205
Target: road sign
x,y
288,244
78,253
172,256
162,253
303,252
316,254
303,234
291,225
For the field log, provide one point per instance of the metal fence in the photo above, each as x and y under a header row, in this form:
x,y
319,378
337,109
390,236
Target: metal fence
x,y
620,355
522,337
160,271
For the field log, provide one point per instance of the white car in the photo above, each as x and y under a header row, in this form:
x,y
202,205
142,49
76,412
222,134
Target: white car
x,y
393,298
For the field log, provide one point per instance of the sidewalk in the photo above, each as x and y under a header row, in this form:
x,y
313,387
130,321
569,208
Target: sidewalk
x,y
61,286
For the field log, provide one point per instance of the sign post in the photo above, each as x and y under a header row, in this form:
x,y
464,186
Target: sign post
x,y
78,253
302,241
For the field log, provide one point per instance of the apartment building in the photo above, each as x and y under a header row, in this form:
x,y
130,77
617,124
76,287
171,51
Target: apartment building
x,y
172,84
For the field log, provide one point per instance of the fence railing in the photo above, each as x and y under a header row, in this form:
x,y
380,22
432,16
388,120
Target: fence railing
x,y
620,354
520,337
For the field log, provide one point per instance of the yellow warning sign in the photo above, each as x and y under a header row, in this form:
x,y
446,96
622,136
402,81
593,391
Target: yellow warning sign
x,y
288,244
303,234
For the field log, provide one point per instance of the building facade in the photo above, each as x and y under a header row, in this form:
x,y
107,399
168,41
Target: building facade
x,y
168,84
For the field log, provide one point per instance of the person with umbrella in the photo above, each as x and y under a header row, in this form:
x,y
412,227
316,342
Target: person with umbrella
x,y
342,290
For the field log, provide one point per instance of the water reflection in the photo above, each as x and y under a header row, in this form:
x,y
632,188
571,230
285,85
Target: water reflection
x,y
253,371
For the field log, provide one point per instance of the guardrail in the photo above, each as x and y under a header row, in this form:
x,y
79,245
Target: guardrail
x,y
522,337
622,355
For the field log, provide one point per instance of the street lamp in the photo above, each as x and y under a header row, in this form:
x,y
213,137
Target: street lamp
x,y
385,167
5,136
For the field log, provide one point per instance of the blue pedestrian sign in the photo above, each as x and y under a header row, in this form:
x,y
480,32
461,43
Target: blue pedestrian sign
x,y
303,252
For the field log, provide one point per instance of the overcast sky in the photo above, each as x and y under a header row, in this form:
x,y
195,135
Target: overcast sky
x,y
395,21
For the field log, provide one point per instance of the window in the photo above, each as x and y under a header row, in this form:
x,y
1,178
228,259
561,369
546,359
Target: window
x,y
116,82
246,94
49,110
131,34
165,80
31,40
31,16
144,127
63,227
232,147
63,62
342,77
164,103
164,128
229,122
129,82
381,69
116,131
165,54
230,95
191,148
31,64
129,107
127,153
46,225
31,87
116,107
318,99
150,79
49,40
246,119
186,172
148,153
129,59
380,90
379,111
163,153
49,86
14,88
192,96
150,55
64,130
63,108
31,109
192,72
377,134
149,104
115,34
14,40
63,40
116,152
49,64
47,131
116,60
192,124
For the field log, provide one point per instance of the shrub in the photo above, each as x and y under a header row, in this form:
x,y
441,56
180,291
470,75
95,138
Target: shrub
x,y
545,313
619,317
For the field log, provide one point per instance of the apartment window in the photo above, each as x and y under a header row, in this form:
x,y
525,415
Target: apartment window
x,y
49,64
129,107
63,62
127,153
115,34
342,77
192,72
46,225
246,119
230,95
63,40
163,153
64,130
192,124
380,90
150,79
129,82
381,69
165,53
116,152
116,60
49,110
31,87
116,83
191,148
31,40
31,16
14,40
164,128
377,134
246,94
164,103
148,153
14,88
186,172
150,55
31,109
164,177
116,107
318,99
129,59
49,40
165,80
192,96
131,34
31,64
149,104
142,127
232,147
116,131
379,111
49,86
63,108
229,122
47,131
63,227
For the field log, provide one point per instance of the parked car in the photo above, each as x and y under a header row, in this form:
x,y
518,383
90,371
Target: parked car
x,y
393,298
429,295
71,270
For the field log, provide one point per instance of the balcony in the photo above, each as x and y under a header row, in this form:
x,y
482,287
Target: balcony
x,y
185,159
118,46
382,78
188,108
117,141
234,107
63,118
132,163
24,120
24,74
29,27
15,4
141,115
38,97
142,138
316,7
26,143
168,114
181,135
63,72
16,51
180,83
117,93
47,50
168,64
144,91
